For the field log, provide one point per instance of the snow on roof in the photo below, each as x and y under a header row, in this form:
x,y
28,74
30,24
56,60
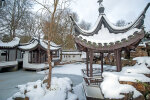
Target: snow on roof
x,y
29,45
11,44
92,29
102,19
71,52
104,36
53,46
34,42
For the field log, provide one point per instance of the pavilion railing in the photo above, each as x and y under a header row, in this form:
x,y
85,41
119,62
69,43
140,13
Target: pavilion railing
x,y
95,80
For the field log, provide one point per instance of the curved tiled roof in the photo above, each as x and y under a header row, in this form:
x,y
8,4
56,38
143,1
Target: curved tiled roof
x,y
35,42
102,20
106,37
110,46
12,44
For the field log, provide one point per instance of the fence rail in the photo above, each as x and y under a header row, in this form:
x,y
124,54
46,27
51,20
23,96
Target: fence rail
x,y
95,80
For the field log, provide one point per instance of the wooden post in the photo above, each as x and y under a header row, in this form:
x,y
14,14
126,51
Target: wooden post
x,y
31,56
118,59
127,53
101,55
87,64
8,55
91,63
39,55
16,54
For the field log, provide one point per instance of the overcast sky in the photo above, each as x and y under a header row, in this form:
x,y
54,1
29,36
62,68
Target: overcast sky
x,y
127,10
115,10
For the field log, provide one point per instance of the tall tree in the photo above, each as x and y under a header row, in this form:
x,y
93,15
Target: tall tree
x,y
120,23
85,25
54,11
14,17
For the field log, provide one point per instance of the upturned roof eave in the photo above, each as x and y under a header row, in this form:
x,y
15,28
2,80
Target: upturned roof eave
x,y
107,48
35,46
138,23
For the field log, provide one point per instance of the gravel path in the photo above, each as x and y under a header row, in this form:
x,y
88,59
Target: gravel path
x,y
9,81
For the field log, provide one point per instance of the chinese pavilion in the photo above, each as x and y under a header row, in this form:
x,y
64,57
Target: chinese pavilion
x,y
105,37
35,54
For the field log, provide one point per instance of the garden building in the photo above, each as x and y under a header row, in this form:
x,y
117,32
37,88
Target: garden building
x,y
10,55
35,54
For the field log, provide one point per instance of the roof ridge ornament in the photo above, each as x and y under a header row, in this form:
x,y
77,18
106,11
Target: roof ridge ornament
x,y
101,7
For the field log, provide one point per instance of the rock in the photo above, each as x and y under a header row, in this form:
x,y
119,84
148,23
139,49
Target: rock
x,y
140,87
139,52
35,86
128,62
45,81
19,98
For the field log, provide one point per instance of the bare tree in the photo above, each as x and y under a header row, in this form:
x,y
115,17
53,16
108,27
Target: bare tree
x,y
85,25
14,16
54,11
120,23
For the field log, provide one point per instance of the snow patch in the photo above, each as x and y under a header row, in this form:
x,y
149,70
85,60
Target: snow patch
x,y
60,90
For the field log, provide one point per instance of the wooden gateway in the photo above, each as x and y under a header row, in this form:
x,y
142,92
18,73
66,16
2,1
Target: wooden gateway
x,y
35,54
105,37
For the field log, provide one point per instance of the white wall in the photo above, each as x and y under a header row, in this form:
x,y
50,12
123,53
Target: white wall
x,y
71,57
35,66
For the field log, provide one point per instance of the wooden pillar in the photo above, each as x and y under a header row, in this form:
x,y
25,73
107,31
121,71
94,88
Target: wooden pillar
x,y
16,55
101,55
87,64
118,59
8,55
91,63
39,55
127,53
31,56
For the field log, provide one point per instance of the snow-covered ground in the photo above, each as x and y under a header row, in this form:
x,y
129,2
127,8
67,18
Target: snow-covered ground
x,y
60,90
111,88
74,69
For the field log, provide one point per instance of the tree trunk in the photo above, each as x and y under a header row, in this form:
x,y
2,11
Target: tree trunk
x,y
50,66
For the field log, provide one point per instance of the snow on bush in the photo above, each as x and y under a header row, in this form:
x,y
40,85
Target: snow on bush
x,y
141,60
137,68
61,89
111,87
